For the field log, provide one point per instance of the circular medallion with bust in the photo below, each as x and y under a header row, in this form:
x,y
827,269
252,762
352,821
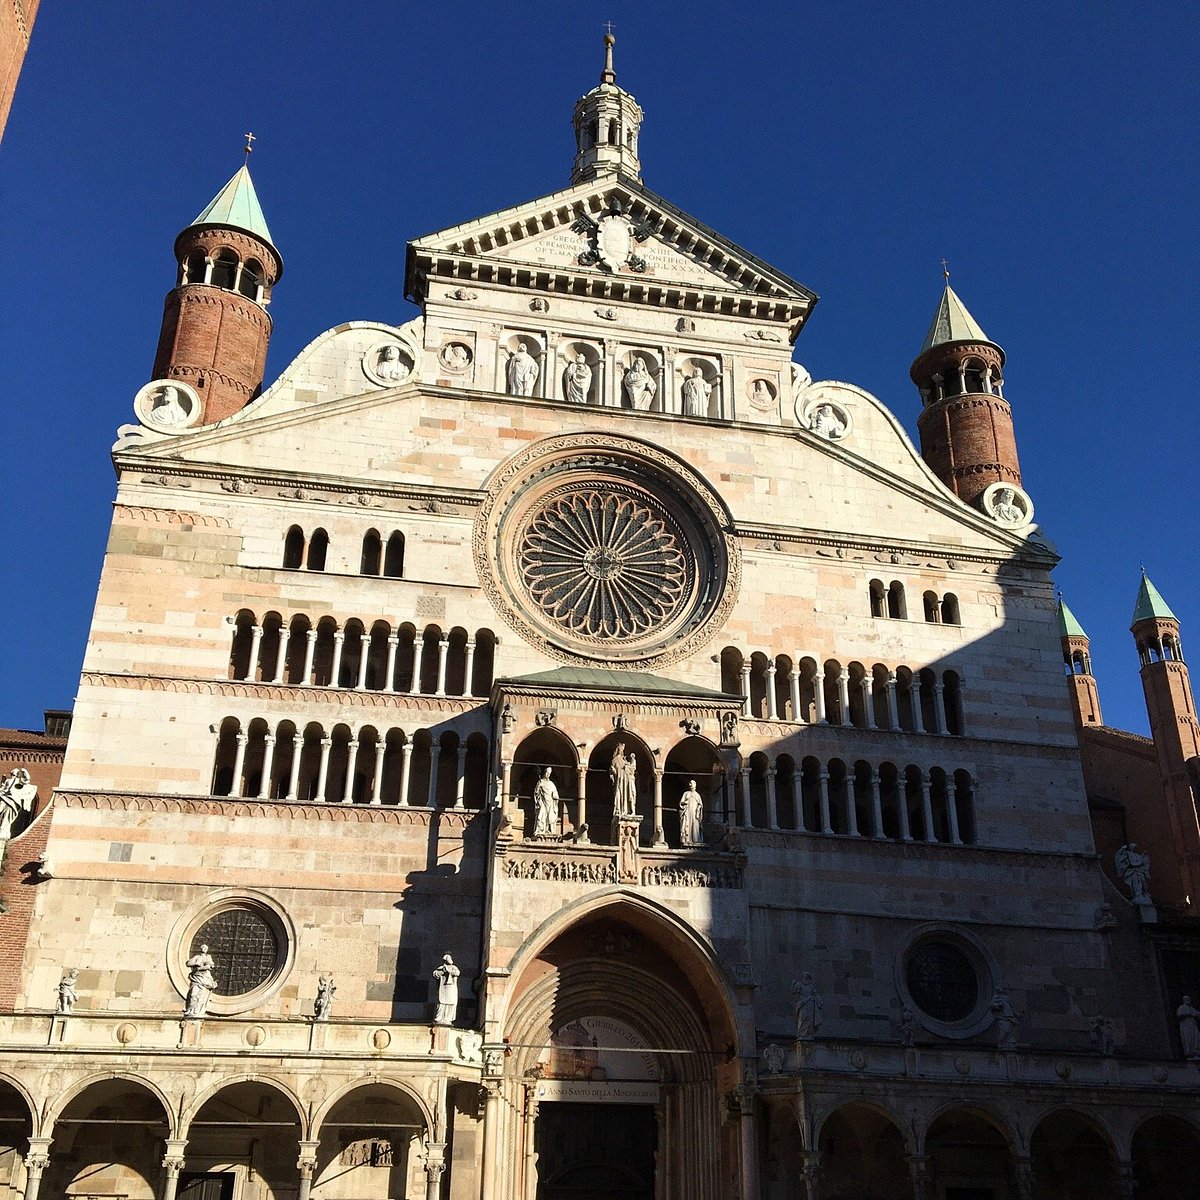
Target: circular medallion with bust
x,y
1007,505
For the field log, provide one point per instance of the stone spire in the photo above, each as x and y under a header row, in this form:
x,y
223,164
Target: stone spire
x,y
607,122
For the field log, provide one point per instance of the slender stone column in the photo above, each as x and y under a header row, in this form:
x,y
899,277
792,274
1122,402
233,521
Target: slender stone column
x,y
844,698
435,752
172,1165
918,1167
746,689
952,812
794,688
868,689
405,771
914,696
351,762
876,805
460,778
530,1152
747,811
939,706
506,783
1024,1179
659,839
926,808
433,1182
256,636
772,806
798,795
469,675
491,1140
1127,1187
389,682
892,707
323,769
772,713
823,782
339,643
285,636
810,1173
37,1159
851,808
581,785
418,656
264,790
443,658
902,804
310,651
364,651
819,697
294,775
377,775
306,1165
239,762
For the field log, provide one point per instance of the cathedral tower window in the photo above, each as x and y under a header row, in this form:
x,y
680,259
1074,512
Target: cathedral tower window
x,y
933,610
293,548
251,281
318,549
372,553
393,558
896,607
224,271
950,610
878,595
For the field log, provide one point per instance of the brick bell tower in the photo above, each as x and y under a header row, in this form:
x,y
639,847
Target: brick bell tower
x,y
1173,726
966,425
1085,694
216,328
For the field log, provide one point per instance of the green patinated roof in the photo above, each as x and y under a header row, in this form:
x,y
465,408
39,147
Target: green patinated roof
x,y
598,679
952,323
1068,626
236,205
1150,604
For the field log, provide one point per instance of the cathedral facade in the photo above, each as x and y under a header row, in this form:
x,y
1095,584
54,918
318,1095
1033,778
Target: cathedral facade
x,y
556,748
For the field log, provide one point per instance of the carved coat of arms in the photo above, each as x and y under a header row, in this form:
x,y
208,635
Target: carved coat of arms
x,y
613,237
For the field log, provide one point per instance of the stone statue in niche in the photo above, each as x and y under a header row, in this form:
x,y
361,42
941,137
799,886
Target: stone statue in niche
x,y
1004,507
1189,1029
170,408
455,356
67,995
17,797
201,983
1102,1037
691,816
762,396
1006,1020
324,1001
391,368
577,380
447,1002
1007,505
639,384
825,421
1133,865
908,1026
808,1007
627,850
522,372
623,772
545,805
695,393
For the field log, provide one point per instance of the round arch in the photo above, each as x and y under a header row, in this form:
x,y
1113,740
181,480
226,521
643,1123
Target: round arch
x,y
601,789
23,1094
982,1111
264,1081
864,1151
405,1090
1073,1152
72,1093
876,1106
1165,1151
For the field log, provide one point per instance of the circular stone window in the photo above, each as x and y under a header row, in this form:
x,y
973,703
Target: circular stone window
x,y
945,977
604,548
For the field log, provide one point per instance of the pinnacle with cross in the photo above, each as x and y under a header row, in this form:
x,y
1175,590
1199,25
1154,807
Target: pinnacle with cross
x,y
946,269
608,75
249,143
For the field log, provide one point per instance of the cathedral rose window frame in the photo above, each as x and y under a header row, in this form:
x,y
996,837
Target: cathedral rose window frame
x,y
977,956
601,548
183,937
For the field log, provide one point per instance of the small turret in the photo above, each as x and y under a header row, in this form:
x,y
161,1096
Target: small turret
x,y
607,123
216,328
965,424
1085,694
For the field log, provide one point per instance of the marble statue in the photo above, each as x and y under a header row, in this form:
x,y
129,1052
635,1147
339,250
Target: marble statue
x,y
447,1001
577,380
324,1001
67,995
545,804
1102,1036
1189,1028
691,813
908,1026
760,395
1133,865
522,372
1006,1020
168,409
808,1006
825,422
1005,508
695,393
201,983
623,772
17,796
639,384
391,367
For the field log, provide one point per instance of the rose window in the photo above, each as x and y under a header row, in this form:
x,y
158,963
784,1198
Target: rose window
x,y
604,564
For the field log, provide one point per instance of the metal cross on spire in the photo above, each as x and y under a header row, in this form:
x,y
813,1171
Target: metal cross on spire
x,y
608,75
249,143
946,269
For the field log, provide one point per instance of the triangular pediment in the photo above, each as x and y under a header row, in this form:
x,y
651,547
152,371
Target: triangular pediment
x,y
617,239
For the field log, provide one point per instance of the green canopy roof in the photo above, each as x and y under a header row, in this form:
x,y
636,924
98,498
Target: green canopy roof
x,y
1068,626
236,205
1150,604
952,323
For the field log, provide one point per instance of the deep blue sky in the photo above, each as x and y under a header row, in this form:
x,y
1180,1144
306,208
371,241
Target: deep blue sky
x,y
1048,150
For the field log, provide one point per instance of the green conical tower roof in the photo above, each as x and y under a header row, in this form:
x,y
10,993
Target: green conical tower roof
x,y
1068,626
236,206
1150,604
952,323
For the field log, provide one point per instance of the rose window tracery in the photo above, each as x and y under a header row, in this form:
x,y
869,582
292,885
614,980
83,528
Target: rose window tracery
x,y
603,564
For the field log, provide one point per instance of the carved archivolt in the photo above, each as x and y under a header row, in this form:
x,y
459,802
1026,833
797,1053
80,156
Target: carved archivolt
x,y
164,516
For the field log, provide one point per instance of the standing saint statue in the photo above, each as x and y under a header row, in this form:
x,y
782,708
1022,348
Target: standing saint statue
x,y
17,795
324,1001
808,1006
639,384
1133,865
1189,1028
695,392
67,995
522,372
691,813
447,1001
623,772
201,983
545,805
577,380
1006,1020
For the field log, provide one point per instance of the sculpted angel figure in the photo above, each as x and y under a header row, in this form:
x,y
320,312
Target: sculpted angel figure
x,y
324,1001
522,372
545,804
639,384
623,772
577,380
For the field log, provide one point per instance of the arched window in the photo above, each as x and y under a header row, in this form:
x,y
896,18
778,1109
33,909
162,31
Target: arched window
x,y
896,608
252,278
613,136
929,602
731,670
483,664
878,598
195,266
393,558
950,611
372,553
222,784
224,269
293,548
243,641
318,548
952,702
